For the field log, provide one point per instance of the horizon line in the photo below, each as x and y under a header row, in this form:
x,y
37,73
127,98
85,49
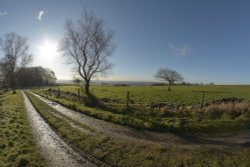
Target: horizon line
x,y
151,81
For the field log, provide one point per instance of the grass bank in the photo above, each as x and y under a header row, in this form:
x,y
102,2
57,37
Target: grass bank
x,y
128,153
17,145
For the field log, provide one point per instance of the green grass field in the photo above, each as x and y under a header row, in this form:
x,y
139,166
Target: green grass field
x,y
183,95
209,120
17,145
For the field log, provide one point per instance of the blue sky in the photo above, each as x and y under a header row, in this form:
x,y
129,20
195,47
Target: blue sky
x,y
204,40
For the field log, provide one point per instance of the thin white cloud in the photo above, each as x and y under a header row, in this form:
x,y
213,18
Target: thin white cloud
x,y
180,51
3,13
40,15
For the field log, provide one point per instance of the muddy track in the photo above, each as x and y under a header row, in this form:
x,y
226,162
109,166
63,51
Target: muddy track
x,y
241,138
55,150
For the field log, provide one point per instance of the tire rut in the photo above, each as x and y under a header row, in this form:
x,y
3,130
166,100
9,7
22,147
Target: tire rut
x,y
55,150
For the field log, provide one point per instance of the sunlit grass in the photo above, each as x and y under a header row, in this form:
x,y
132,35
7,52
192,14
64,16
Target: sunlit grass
x,y
160,119
17,145
184,95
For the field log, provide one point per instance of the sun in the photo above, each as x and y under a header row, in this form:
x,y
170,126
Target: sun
x,y
47,54
48,50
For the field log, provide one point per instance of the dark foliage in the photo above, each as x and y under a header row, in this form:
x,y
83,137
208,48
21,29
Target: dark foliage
x,y
36,76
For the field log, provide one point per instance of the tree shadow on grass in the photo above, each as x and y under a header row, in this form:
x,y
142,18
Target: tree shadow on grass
x,y
247,144
1,99
219,141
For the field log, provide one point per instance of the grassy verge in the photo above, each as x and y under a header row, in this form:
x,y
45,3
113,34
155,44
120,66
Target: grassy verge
x,y
17,145
105,115
128,153
179,122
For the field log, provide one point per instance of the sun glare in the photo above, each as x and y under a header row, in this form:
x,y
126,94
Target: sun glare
x,y
48,50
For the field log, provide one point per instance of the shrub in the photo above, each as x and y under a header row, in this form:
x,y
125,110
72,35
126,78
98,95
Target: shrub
x,y
228,110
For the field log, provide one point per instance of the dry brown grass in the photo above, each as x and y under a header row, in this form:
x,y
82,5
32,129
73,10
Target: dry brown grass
x,y
228,110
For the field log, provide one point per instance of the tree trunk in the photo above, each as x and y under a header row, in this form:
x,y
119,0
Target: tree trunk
x,y
14,91
86,88
14,87
13,81
91,99
169,85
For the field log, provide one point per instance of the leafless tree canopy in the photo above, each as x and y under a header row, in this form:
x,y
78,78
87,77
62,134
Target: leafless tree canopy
x,y
87,45
168,75
15,58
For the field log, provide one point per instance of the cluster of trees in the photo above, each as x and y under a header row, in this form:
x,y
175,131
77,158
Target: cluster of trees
x,y
16,57
13,64
36,76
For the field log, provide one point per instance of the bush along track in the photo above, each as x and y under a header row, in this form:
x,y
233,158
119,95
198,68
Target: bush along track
x,y
182,122
17,145
128,153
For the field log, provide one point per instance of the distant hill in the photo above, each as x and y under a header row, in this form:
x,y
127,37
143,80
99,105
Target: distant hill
x,y
118,83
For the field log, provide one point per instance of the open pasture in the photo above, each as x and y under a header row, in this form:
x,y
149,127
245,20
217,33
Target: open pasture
x,y
151,107
182,95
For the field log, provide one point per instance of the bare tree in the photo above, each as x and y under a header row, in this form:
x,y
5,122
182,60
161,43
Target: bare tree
x,y
88,45
76,80
15,58
170,76
3,74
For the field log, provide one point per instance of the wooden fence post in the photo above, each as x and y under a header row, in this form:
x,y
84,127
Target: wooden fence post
x,y
128,100
58,92
78,94
202,101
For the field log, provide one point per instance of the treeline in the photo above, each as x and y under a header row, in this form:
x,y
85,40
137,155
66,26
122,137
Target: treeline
x,y
31,76
36,76
183,84
14,72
